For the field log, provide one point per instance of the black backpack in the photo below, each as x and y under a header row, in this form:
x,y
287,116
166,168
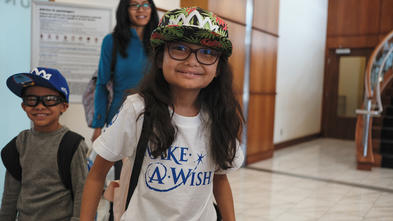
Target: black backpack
x,y
68,145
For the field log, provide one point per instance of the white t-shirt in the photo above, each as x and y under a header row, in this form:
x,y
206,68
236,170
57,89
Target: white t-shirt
x,y
177,187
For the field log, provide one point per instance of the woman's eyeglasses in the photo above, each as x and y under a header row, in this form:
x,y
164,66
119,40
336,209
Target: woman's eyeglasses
x,y
180,52
135,6
46,100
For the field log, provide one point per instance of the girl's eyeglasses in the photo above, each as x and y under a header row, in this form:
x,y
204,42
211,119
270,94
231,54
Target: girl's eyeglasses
x,y
46,100
135,6
206,56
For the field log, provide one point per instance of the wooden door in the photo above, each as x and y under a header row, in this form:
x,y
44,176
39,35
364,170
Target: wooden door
x,y
343,91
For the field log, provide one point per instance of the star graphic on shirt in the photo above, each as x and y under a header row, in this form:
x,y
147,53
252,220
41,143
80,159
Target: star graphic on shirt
x,y
199,160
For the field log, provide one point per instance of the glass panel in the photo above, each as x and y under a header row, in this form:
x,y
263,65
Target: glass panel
x,y
350,85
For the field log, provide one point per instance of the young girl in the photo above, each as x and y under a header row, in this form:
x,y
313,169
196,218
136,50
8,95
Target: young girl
x,y
196,125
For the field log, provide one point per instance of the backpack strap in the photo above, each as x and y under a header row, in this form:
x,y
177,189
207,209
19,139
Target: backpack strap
x,y
10,158
140,154
68,145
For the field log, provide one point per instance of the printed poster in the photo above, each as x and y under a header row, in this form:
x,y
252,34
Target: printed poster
x,y
68,37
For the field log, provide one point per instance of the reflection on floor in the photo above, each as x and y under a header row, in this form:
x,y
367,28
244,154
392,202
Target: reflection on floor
x,y
316,180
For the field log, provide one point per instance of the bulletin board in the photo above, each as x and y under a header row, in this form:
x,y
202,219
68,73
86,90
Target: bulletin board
x,y
68,37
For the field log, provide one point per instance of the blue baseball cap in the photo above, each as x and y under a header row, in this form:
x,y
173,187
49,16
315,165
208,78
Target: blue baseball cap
x,y
40,76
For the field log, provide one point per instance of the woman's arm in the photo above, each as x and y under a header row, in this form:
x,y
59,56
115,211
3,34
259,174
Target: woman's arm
x,y
223,195
103,76
93,188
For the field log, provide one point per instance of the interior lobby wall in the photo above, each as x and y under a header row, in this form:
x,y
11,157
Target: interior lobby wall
x,y
300,68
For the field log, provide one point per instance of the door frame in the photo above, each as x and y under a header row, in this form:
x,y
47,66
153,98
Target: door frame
x,y
333,125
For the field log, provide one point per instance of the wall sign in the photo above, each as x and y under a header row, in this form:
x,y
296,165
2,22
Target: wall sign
x,y
68,37
343,51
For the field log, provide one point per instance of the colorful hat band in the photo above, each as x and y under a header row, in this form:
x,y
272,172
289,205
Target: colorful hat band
x,y
193,25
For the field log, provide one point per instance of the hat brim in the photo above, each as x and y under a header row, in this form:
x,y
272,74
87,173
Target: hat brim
x,y
17,82
193,35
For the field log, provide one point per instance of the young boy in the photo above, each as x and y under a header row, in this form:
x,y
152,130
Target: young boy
x,y
41,193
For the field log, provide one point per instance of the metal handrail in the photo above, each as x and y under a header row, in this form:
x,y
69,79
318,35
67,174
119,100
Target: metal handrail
x,y
368,112
371,62
378,89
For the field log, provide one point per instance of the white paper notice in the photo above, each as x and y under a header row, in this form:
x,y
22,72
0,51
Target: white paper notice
x,y
68,38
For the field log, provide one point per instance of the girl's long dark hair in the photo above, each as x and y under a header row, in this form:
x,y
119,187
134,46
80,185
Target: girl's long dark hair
x,y
121,32
217,99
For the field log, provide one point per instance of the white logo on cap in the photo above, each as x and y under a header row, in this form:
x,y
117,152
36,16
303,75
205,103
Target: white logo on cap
x,y
201,21
64,90
42,73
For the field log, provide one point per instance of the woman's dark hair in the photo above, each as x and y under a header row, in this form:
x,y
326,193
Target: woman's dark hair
x,y
217,100
121,32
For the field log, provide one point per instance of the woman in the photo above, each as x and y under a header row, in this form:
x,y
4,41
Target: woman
x,y
123,57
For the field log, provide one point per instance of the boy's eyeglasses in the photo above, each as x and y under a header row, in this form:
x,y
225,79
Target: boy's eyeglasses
x,y
206,56
47,100
135,6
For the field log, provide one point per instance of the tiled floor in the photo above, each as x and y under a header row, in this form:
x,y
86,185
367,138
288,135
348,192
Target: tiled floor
x,y
316,180
313,181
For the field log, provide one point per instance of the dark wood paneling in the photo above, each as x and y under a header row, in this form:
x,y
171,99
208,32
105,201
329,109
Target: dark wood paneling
x,y
253,158
236,34
262,68
333,124
353,41
239,98
263,63
234,10
358,23
386,16
266,15
260,124
353,17
381,37
200,3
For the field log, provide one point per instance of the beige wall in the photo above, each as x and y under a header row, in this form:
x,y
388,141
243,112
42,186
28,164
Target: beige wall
x,y
167,4
300,68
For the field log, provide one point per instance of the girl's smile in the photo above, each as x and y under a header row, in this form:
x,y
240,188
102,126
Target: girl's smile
x,y
191,73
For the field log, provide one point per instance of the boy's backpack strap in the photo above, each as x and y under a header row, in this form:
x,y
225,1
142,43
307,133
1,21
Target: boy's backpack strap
x,y
68,145
10,158
140,154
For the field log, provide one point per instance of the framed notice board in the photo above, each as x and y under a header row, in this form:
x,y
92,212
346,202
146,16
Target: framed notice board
x,y
68,37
